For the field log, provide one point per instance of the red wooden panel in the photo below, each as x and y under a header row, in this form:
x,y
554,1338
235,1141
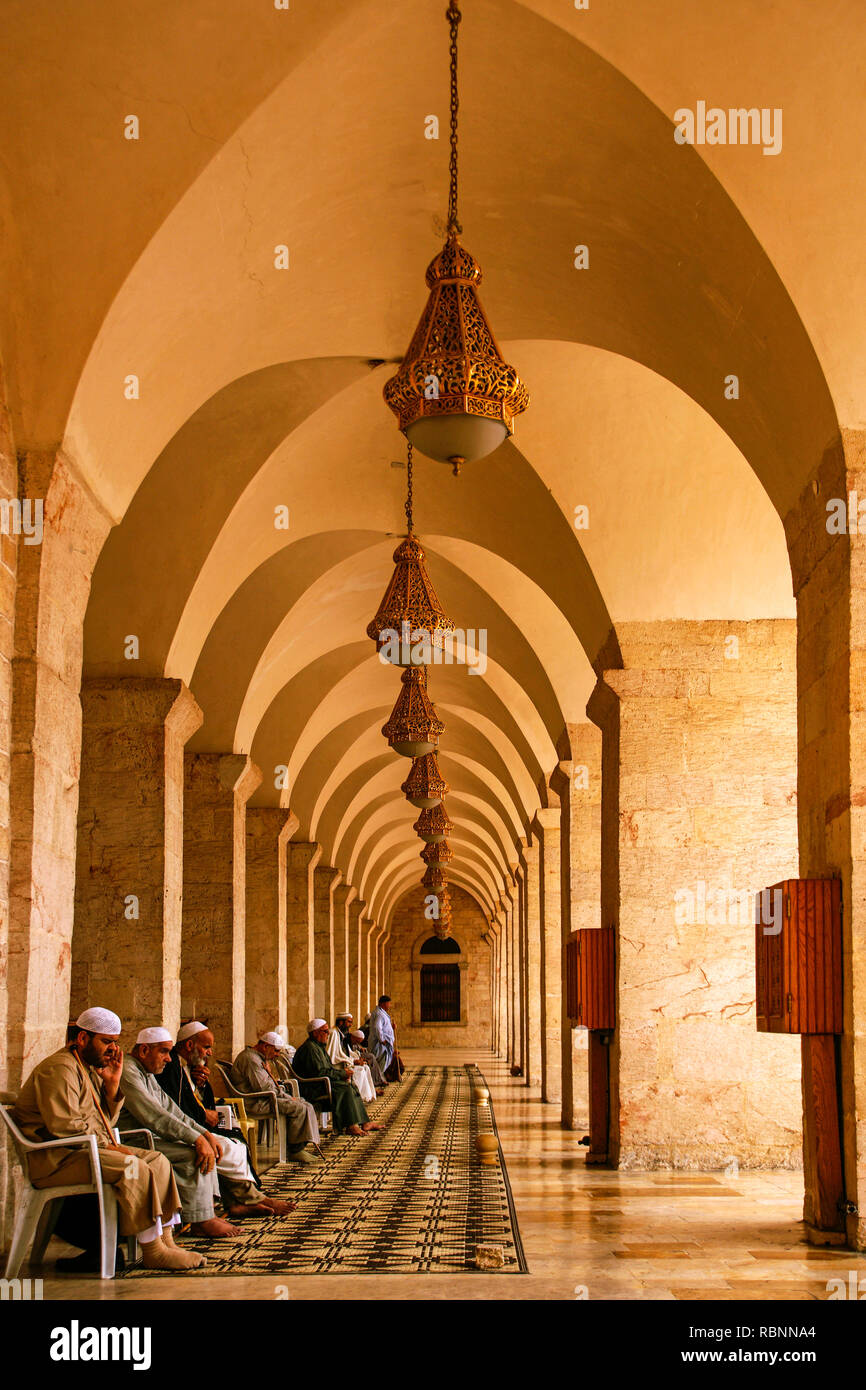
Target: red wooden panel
x,y
798,977
590,978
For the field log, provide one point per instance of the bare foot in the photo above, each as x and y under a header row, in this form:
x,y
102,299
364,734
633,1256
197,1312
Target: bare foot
x,y
214,1227
354,1129
370,1126
277,1205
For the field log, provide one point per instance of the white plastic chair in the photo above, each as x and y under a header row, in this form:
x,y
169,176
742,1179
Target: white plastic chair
x,y
37,1215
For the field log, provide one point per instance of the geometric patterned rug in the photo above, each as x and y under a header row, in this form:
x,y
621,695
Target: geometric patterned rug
x,y
412,1198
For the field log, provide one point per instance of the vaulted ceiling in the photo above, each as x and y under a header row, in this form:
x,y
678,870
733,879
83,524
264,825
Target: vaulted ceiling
x,y
260,388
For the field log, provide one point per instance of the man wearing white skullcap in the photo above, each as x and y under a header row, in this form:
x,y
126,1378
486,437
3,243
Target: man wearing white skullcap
x,y
76,1092
198,1157
343,1054
312,1063
254,1070
185,1080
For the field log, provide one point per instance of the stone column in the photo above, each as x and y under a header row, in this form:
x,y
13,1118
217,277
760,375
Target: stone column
x,y
368,931
357,908
506,1012
126,943
301,860
699,766
533,1001
826,533
546,830
269,829
512,892
217,787
343,896
578,784
325,882
51,592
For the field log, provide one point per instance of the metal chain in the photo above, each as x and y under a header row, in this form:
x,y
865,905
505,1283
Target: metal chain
x,y
408,506
453,16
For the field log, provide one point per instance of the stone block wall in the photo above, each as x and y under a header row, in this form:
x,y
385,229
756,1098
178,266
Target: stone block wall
x,y
699,810
409,928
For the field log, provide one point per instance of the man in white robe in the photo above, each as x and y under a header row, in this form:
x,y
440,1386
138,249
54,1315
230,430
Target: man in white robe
x,y
342,1053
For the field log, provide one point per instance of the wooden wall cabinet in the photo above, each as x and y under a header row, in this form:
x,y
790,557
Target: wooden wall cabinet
x,y
798,968
590,978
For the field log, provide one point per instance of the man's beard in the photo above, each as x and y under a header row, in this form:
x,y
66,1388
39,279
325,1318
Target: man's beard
x,y
197,1059
90,1055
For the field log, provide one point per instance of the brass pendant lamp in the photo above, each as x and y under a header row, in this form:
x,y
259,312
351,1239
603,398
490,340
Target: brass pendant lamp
x,y
438,853
414,728
433,824
425,786
454,396
435,878
410,620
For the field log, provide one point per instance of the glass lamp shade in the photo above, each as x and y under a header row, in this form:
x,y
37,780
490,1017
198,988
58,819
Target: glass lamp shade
x,y
456,439
433,824
414,729
425,786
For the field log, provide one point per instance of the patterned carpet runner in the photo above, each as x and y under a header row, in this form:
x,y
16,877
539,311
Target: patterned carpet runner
x,y
413,1198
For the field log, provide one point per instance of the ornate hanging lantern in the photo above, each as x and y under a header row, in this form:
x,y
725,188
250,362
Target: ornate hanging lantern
x,y
438,853
435,879
414,728
454,397
410,621
442,923
425,786
433,824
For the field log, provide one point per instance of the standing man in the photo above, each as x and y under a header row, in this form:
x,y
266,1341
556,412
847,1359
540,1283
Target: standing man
x,y
77,1091
254,1071
312,1062
381,1036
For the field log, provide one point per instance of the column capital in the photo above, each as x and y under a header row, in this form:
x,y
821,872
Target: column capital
x,y
528,854
546,821
136,700
303,854
238,774
329,875
344,893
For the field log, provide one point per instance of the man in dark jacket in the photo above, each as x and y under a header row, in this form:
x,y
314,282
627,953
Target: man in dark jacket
x,y
311,1061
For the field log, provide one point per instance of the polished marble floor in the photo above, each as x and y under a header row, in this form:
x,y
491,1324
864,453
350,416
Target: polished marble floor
x,y
587,1233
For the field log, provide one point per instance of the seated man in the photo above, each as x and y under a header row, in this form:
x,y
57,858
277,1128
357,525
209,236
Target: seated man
x,y
186,1080
359,1043
312,1061
343,1053
253,1072
198,1157
77,1091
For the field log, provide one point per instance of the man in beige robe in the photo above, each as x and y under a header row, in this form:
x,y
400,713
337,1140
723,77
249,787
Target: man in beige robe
x,y
77,1091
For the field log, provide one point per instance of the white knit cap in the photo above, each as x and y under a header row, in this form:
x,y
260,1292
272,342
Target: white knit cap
x,y
273,1040
147,1036
358,1036
315,1024
189,1030
99,1021
346,1014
